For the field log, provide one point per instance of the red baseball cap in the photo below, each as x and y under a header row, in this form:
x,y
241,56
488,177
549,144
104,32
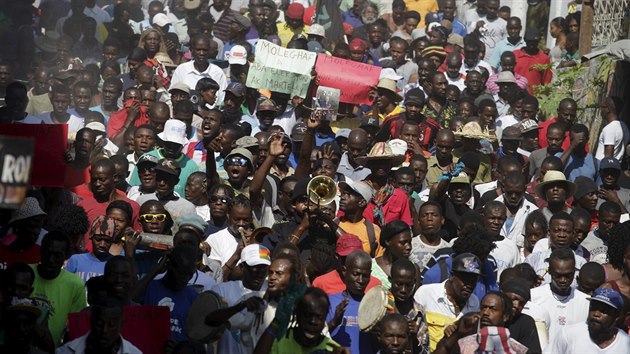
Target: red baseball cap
x,y
357,45
295,11
348,243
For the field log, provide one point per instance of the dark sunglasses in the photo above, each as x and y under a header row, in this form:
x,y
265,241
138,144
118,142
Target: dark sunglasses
x,y
218,198
236,160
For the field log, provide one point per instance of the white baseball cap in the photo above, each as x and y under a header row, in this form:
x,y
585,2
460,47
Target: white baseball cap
x,y
174,132
317,30
256,254
389,73
237,55
161,20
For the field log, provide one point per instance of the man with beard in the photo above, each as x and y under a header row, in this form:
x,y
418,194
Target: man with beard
x,y
172,290
605,308
437,106
198,68
344,307
368,16
566,305
453,75
241,296
446,301
475,87
518,207
167,175
64,291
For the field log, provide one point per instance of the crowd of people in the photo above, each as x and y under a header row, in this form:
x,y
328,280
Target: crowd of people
x,y
448,215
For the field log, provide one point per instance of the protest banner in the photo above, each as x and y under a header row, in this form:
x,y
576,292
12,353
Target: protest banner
x,y
354,79
51,141
280,69
146,327
16,162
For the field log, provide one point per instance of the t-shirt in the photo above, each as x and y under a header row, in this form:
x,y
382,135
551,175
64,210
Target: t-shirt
x,y
187,165
288,345
86,265
614,133
563,310
576,339
178,303
539,260
595,247
421,252
347,334
492,32
523,329
332,283
222,246
360,230
200,281
65,294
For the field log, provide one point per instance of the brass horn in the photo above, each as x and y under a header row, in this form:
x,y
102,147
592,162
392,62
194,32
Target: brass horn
x,y
321,190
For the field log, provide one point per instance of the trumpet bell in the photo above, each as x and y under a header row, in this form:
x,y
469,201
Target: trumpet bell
x,y
322,190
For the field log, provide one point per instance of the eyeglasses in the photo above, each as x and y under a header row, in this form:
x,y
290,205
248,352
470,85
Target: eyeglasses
x,y
236,160
152,217
219,198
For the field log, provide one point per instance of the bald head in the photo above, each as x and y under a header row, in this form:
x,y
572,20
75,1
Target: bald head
x,y
358,135
357,258
445,134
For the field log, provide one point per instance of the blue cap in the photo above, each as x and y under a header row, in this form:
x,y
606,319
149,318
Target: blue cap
x,y
608,296
610,162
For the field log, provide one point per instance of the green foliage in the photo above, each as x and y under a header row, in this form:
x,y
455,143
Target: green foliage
x,y
585,83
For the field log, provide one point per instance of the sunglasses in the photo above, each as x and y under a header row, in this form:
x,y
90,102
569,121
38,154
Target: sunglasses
x,y
236,160
151,217
218,198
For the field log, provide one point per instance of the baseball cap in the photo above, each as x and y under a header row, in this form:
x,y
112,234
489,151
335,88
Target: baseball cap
x,y
193,220
181,87
266,105
609,162
315,47
462,177
242,20
241,152
246,142
237,55
298,132
343,133
527,125
317,30
161,20
348,243
511,133
415,96
398,146
174,132
467,263
146,158
192,4
103,225
96,126
29,208
608,296
236,88
361,188
369,122
256,254
295,11
357,45
169,166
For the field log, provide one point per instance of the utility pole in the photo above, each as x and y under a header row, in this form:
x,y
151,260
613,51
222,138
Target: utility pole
x,y
586,26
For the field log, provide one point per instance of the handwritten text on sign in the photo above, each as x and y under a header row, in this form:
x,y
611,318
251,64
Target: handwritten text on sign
x,y
51,141
280,69
354,79
16,156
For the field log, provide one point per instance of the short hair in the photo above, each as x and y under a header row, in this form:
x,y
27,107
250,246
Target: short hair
x,y
104,162
529,99
404,171
556,126
19,267
471,160
579,128
561,215
486,103
610,207
286,245
475,239
430,203
398,40
525,270
240,201
106,304
117,259
515,177
314,292
506,161
493,205
536,217
419,158
206,84
70,219
471,218
508,54
56,236
224,187
472,41
114,81
121,205
554,162
392,318
403,264
562,254
60,90
618,242
412,14
392,229
593,270
148,127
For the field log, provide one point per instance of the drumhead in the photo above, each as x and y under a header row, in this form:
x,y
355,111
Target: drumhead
x,y
372,308
205,303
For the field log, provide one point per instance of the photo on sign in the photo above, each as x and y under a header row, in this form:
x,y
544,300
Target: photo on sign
x,y
327,100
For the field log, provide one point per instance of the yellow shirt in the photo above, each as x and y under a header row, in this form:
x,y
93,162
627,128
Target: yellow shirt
x,y
423,7
359,229
382,117
286,33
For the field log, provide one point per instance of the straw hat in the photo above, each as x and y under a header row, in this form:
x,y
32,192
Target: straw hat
x,y
554,177
389,85
381,151
473,130
165,60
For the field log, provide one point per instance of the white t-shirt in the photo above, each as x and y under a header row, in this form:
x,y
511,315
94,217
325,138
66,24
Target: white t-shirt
x,y
506,254
503,122
198,281
434,300
203,211
222,245
421,252
459,82
596,247
539,260
562,310
492,32
575,339
614,133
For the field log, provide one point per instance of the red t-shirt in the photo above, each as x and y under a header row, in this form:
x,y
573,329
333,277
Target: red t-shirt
x,y
542,135
9,256
525,61
117,120
95,209
331,283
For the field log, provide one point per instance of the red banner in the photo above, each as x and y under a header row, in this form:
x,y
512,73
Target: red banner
x,y
51,141
354,79
146,327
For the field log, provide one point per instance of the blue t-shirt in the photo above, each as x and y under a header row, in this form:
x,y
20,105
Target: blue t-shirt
x,y
86,266
486,282
178,302
347,334
580,166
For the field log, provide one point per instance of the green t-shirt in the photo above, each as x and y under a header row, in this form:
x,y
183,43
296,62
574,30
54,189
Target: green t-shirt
x,y
65,294
288,345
